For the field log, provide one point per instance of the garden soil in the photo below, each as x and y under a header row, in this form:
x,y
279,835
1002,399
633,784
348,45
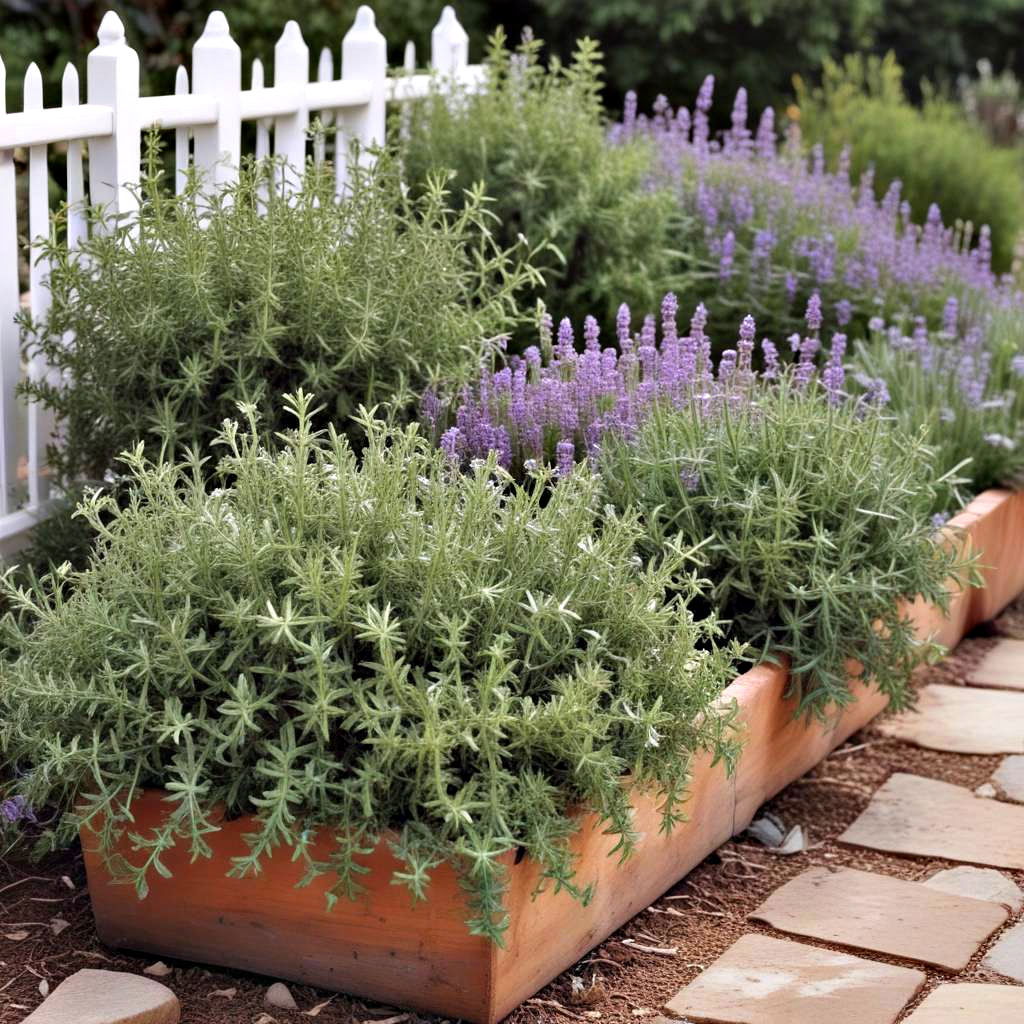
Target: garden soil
x,y
47,933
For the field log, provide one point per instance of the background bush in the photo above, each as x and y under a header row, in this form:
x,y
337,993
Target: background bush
x,y
937,155
200,306
387,644
653,47
536,137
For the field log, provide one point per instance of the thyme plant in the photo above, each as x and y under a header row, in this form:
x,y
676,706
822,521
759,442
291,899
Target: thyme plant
x,y
363,646
200,303
817,516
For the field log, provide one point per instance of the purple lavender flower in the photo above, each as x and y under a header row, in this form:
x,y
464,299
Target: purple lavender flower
x,y
450,443
566,454
834,375
1017,365
771,360
15,809
813,315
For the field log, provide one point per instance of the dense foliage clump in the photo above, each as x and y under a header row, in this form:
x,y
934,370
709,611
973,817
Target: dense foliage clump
x,y
818,519
201,302
814,508
363,646
535,136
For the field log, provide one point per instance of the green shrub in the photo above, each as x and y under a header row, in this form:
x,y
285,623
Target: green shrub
x,y
817,519
937,154
360,646
197,305
536,138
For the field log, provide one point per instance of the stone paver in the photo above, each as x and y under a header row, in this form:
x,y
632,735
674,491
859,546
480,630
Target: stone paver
x,y
979,884
884,915
1006,957
1002,667
1009,778
760,980
927,818
108,997
971,1004
962,720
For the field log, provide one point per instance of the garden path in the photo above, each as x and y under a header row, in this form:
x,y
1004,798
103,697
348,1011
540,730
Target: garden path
x,y
959,920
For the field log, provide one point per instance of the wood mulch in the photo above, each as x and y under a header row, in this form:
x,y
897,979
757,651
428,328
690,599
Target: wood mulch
x,y
47,931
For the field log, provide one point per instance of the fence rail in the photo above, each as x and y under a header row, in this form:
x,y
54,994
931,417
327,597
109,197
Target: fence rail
x,y
103,158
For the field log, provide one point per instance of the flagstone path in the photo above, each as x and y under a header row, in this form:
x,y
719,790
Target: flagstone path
x,y
945,921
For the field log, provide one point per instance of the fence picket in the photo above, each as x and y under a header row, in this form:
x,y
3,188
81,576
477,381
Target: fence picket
x,y
291,71
10,358
324,73
263,124
70,97
217,71
181,135
38,232
113,81
449,44
364,56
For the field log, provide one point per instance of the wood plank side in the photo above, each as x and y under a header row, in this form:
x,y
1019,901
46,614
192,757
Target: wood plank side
x,y
379,947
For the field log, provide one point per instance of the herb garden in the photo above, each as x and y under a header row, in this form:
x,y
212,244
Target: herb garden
x,y
440,511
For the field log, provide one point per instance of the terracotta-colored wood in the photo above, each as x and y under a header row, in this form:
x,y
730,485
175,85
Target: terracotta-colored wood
x,y
385,948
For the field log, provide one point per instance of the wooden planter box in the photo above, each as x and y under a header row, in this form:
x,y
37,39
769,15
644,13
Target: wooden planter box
x,y
382,947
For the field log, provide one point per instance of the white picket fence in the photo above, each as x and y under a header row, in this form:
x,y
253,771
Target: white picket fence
x,y
103,139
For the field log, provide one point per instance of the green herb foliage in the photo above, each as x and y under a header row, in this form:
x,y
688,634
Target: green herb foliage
x,y
536,137
200,303
819,523
374,646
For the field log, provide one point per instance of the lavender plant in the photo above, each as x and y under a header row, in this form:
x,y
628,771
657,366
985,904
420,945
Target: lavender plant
x,y
966,386
359,646
768,228
814,509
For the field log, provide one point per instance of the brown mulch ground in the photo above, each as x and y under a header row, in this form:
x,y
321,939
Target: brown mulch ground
x,y
622,984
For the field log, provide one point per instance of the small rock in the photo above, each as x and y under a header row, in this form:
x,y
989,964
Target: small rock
x,y
108,997
979,884
158,970
280,997
1006,957
1009,778
987,791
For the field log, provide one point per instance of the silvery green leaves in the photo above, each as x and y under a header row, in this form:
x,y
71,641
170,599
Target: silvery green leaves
x,y
365,646
817,523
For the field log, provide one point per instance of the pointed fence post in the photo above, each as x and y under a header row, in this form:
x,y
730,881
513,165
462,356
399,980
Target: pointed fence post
x,y
217,71
70,97
113,81
10,345
324,73
181,135
364,56
449,44
40,422
291,70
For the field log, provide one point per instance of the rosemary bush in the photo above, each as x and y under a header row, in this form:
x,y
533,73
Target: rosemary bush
x,y
201,304
535,136
363,646
818,519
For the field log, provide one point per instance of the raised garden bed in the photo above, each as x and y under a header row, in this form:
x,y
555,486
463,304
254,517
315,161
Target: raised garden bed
x,y
422,956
